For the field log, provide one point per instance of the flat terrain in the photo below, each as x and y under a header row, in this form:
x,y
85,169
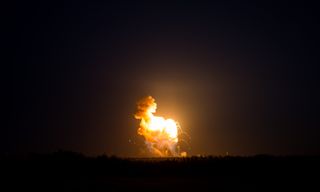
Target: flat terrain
x,y
66,171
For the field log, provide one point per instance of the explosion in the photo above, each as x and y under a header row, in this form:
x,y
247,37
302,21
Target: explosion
x,y
161,135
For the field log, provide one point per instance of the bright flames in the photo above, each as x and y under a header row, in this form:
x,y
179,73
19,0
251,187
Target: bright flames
x,y
161,135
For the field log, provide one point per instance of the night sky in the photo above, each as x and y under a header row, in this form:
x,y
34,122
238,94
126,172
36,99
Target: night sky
x,y
239,77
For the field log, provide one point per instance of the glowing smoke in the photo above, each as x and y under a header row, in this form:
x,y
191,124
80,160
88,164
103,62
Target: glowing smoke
x,y
161,135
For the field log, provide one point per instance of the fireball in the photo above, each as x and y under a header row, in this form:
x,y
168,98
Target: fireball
x,y
161,135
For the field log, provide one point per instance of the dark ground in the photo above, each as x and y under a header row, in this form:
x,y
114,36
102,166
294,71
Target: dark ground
x,y
67,171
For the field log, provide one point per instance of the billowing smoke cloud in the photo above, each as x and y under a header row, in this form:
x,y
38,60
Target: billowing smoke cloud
x,y
161,135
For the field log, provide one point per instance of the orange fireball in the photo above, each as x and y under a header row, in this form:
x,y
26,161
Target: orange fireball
x,y
161,135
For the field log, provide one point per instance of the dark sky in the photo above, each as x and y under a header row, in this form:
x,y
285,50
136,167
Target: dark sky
x,y
239,77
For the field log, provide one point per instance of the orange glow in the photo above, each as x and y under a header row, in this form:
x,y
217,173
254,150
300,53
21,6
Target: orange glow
x,y
161,135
